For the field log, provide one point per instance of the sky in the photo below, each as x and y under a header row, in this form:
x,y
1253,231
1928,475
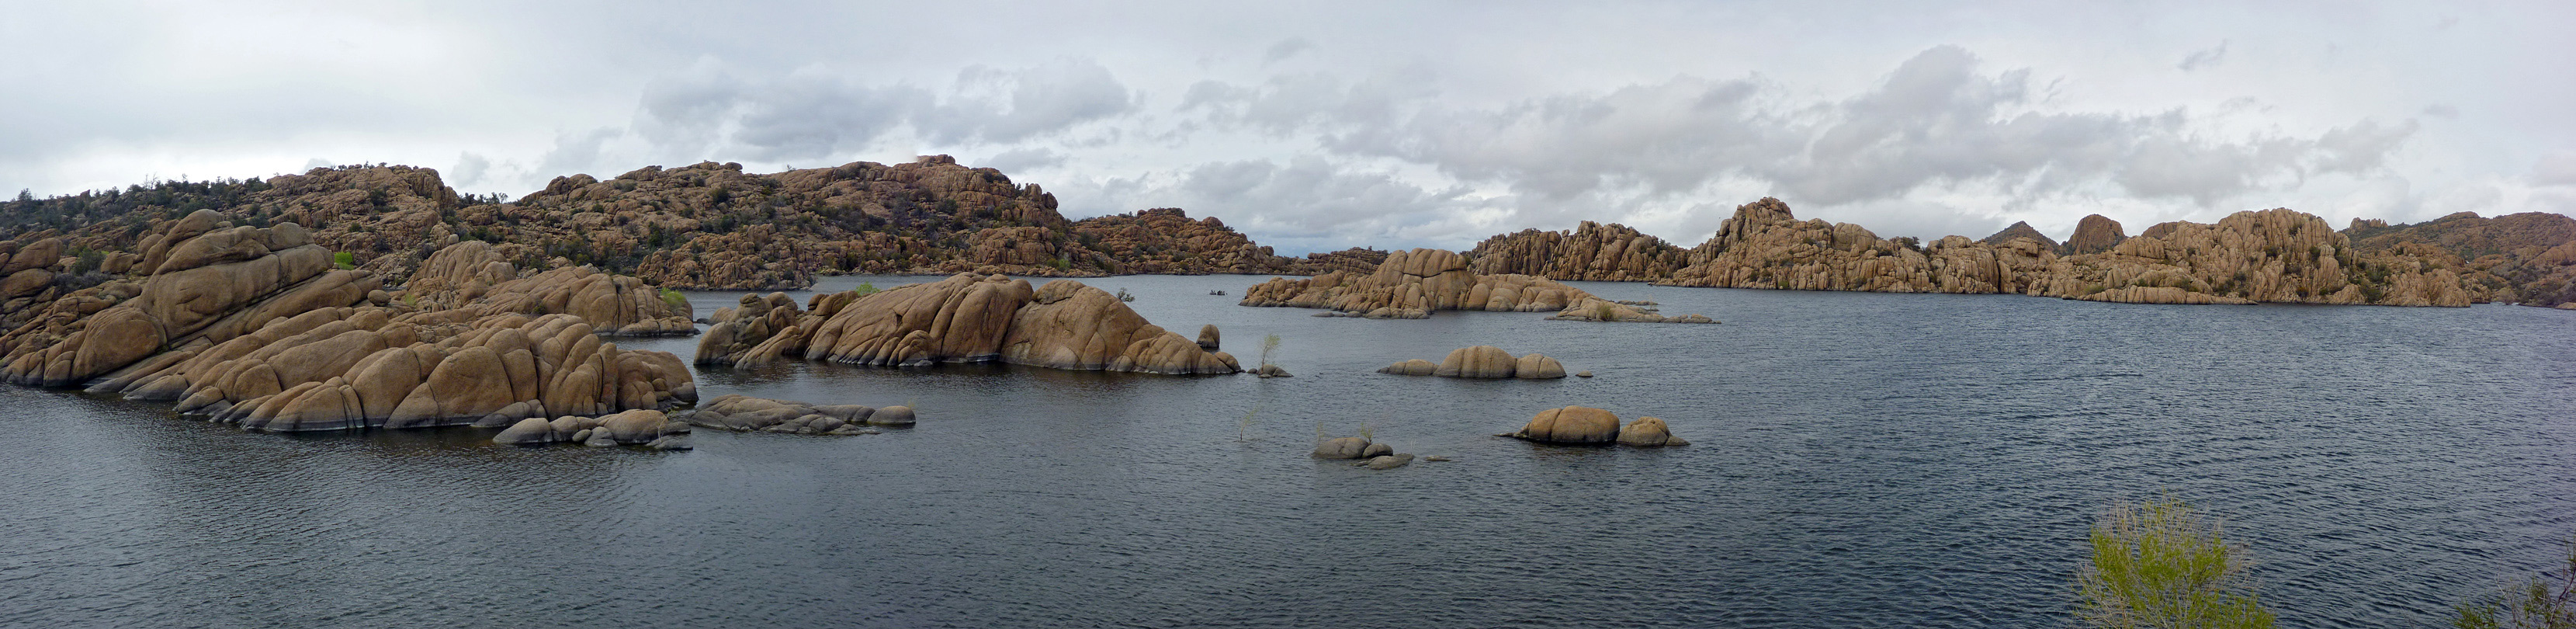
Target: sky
x,y
1316,126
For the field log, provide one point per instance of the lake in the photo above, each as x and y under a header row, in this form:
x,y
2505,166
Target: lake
x,y
1858,460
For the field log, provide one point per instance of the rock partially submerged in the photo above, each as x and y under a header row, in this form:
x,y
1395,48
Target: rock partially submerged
x,y
1375,456
642,427
751,414
1481,361
1592,426
965,318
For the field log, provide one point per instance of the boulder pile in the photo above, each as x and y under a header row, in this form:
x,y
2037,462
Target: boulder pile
x,y
644,427
965,318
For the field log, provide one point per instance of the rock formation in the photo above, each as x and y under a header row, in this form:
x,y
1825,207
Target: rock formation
x,y
2527,258
1482,361
1613,253
250,325
1208,337
1586,425
705,225
1572,424
472,275
1412,284
2268,256
2095,234
965,318
644,427
1375,456
751,414
2019,229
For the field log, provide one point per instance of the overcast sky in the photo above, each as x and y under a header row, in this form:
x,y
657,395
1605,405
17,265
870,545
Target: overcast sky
x,y
1318,125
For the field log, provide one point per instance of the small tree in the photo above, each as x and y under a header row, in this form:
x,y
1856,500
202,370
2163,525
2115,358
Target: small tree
x,y
1269,343
2547,601
2159,564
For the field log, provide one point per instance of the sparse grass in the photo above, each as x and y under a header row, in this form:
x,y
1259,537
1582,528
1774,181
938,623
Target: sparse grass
x,y
1604,312
1243,427
2159,564
1368,432
2547,601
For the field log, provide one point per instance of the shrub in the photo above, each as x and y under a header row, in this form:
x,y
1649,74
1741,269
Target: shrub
x,y
2545,602
345,260
2159,564
1604,312
675,299
865,289
1123,296
1269,343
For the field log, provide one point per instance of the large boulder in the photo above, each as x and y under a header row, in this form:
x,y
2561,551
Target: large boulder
x,y
1412,367
1536,366
1571,424
1341,448
965,318
1481,361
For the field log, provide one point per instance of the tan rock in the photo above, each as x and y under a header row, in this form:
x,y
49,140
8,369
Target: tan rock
x,y
1536,366
1572,424
1481,361
1413,367
1648,432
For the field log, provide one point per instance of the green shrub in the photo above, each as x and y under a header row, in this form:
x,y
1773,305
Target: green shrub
x,y
2544,602
675,299
865,289
345,260
2159,564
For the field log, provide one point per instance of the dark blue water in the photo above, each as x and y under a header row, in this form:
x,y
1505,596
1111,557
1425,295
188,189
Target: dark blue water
x,y
1861,460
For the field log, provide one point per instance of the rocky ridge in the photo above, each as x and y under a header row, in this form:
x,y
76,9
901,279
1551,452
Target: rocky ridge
x,y
965,318
1593,252
702,226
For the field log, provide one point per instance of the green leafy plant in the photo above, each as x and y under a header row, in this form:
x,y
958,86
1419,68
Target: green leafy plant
x,y
345,260
2160,564
675,299
865,289
2547,601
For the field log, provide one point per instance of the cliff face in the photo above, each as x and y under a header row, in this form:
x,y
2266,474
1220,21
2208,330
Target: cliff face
x,y
2095,234
1764,246
1614,252
706,225
2528,258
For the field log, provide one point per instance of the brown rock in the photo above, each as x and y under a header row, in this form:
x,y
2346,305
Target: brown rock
x,y
1481,361
1413,367
1648,432
1536,366
2095,234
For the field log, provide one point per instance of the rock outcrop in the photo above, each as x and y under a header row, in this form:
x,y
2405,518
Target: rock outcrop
x,y
2527,258
1596,252
1413,284
965,318
1166,241
751,414
472,275
2095,234
1572,424
2279,256
1587,425
1208,337
251,325
644,427
1481,361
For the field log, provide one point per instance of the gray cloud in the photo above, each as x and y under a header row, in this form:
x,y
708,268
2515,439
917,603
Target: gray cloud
x,y
1937,121
1286,48
2203,58
1016,161
1307,203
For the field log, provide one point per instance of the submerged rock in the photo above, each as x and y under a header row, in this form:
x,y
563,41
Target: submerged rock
x,y
1388,461
1649,432
751,414
1571,424
1342,448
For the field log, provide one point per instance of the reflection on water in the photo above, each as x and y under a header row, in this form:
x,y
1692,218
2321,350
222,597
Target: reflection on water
x,y
1860,460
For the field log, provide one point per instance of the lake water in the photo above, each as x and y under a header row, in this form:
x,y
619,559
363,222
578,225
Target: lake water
x,y
1859,460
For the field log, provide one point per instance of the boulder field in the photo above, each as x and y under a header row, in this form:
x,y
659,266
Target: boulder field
x,y
644,427
1587,425
1413,284
1482,361
252,325
965,318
